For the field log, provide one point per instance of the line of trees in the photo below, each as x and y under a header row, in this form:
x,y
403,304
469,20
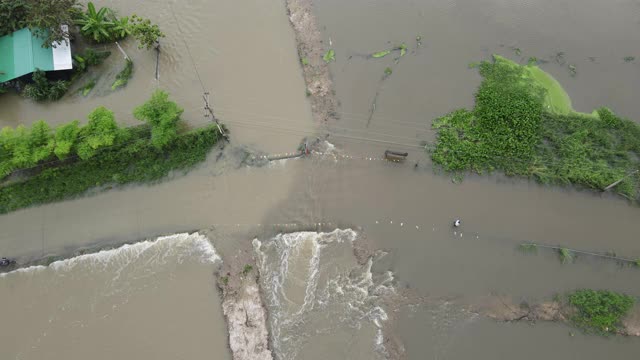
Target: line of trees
x,y
24,147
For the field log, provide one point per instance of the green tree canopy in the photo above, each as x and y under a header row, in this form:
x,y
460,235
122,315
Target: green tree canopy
x,y
147,33
41,141
162,115
101,131
65,139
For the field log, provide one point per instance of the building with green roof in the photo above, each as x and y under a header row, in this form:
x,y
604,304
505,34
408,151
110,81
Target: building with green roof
x,y
21,53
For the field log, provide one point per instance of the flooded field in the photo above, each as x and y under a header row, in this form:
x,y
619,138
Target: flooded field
x,y
317,291
132,301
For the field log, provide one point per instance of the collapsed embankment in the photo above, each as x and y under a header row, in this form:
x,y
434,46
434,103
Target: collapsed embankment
x,y
503,308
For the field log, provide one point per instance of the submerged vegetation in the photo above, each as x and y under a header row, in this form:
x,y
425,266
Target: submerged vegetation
x,y
73,159
122,79
566,256
42,89
599,310
329,56
523,124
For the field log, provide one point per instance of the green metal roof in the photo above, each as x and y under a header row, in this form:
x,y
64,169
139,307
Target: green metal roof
x,y
22,53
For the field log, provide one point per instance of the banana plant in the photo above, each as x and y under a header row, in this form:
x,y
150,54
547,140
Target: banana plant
x,y
121,27
96,24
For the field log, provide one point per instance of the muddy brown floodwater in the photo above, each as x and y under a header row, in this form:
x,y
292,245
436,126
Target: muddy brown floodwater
x,y
245,55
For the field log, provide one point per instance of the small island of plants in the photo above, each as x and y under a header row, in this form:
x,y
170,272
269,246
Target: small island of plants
x,y
523,124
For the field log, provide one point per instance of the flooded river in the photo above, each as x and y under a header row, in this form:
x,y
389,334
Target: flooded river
x,y
323,301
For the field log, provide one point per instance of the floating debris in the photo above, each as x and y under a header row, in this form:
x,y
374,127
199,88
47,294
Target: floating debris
x,y
418,40
572,70
388,71
403,49
629,58
381,54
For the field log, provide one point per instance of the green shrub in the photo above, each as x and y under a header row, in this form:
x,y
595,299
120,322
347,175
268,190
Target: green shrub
x,y
66,139
162,115
44,90
600,310
101,131
147,33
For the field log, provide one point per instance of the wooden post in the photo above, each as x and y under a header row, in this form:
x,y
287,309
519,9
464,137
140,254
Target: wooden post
x,y
157,47
122,51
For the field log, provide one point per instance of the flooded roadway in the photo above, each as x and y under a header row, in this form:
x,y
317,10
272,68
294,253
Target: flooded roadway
x,y
368,195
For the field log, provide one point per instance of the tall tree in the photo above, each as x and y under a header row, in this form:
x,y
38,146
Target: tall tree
x,y
41,141
101,131
48,15
65,139
163,116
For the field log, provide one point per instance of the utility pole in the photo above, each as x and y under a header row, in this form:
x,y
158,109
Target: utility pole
x,y
208,111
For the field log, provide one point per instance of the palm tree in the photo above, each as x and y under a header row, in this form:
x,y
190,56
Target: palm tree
x,y
96,24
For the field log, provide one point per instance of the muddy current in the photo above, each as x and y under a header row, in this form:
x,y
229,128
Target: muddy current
x,y
356,256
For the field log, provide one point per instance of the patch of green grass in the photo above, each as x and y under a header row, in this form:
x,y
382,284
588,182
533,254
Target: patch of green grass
x,y
247,269
304,61
225,280
329,56
566,256
123,76
135,160
599,311
523,124
556,99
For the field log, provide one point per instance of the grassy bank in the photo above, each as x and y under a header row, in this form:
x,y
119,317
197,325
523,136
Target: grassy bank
x,y
134,161
523,124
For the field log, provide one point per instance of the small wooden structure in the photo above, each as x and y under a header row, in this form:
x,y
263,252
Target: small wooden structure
x,y
395,156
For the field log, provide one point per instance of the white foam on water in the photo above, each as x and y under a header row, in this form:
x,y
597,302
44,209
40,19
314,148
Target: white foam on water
x,y
186,246
332,301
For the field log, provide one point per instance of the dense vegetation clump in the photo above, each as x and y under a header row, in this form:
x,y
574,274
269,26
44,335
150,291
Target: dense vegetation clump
x,y
102,25
43,89
162,115
136,160
600,310
66,162
523,124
